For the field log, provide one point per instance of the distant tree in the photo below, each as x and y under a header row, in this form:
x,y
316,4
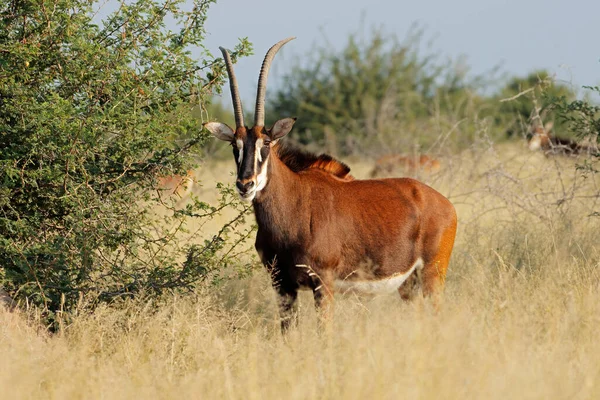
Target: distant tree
x,y
377,85
91,114
524,100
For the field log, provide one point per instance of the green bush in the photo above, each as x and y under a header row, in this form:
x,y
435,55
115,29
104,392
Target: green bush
x,y
90,115
523,101
581,117
376,91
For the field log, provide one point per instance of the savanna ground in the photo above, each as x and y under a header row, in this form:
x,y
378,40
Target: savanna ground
x,y
520,315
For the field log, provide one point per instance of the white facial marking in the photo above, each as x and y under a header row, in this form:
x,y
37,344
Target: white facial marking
x,y
240,146
249,197
256,155
387,285
261,179
259,145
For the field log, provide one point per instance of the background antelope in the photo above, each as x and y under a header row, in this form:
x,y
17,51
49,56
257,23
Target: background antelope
x,y
180,186
411,164
541,138
321,230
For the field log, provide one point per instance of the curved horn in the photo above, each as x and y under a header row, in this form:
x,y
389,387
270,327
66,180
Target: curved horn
x,y
259,110
233,86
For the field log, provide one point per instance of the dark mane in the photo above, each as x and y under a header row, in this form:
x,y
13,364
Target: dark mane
x,y
298,160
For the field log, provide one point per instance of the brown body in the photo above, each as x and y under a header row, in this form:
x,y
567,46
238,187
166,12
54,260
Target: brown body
x,y
389,163
350,230
320,229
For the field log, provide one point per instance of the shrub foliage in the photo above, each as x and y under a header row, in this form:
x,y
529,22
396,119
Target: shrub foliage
x,y
92,111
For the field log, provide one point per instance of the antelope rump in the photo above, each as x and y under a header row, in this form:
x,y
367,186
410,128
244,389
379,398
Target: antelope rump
x,y
320,229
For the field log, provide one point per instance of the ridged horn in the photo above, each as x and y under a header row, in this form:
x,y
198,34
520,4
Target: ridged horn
x,y
259,110
233,86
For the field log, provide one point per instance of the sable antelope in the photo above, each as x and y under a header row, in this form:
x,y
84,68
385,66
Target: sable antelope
x,y
411,164
177,185
542,139
321,230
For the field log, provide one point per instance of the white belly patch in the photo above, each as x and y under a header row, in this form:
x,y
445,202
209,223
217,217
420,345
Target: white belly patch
x,y
387,285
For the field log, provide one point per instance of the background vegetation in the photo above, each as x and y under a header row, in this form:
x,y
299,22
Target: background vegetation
x,y
380,92
91,115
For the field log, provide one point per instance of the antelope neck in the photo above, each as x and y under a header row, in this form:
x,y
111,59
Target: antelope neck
x,y
274,206
279,180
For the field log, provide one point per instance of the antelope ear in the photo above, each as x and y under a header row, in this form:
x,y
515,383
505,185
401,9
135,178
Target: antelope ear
x,y
548,126
281,128
220,131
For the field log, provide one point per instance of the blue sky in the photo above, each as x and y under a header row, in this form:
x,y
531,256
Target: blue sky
x,y
519,35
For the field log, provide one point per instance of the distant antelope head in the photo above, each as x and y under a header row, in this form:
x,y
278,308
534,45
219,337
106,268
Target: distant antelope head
x,y
251,146
540,136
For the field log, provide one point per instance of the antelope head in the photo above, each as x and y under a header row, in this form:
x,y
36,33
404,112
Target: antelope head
x,y
540,136
251,146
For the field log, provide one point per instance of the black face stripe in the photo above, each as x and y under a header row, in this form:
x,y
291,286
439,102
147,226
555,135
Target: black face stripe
x,y
249,167
246,170
236,154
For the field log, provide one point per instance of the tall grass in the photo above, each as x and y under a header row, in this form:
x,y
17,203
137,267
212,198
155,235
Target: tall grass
x,y
520,314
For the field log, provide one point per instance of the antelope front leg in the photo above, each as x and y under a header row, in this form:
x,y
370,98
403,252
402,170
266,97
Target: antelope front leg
x,y
323,295
324,305
287,292
288,310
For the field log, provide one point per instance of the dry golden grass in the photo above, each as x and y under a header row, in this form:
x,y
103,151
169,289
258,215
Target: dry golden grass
x,y
520,318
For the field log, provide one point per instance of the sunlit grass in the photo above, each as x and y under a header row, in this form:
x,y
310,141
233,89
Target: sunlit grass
x,y
520,315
